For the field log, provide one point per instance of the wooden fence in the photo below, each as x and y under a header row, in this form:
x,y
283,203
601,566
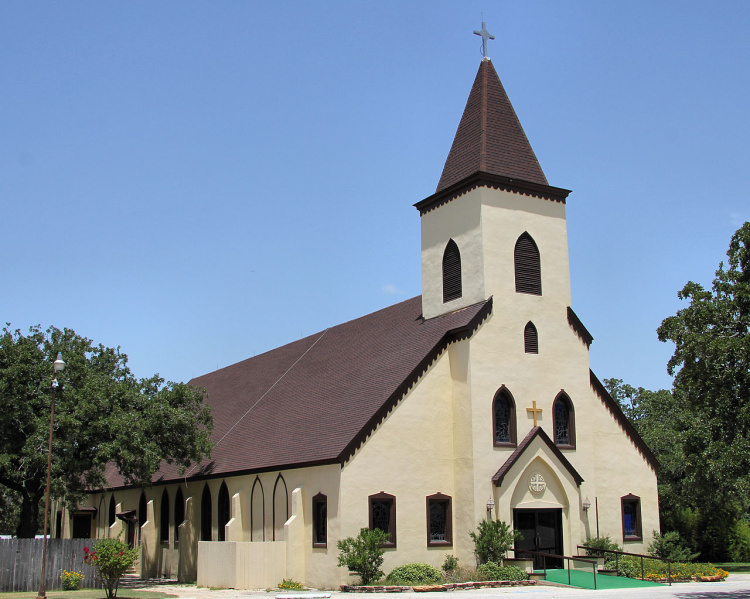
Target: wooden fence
x,y
21,563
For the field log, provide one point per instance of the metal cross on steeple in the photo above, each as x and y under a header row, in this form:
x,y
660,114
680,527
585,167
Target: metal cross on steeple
x,y
486,35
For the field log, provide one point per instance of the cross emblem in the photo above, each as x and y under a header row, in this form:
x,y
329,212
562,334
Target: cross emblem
x,y
537,483
486,35
534,411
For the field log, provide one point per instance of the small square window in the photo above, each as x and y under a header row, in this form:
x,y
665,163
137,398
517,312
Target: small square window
x,y
439,521
383,516
631,518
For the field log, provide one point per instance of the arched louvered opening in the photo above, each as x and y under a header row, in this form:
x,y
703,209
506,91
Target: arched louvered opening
x,y
223,511
179,514
528,266
257,512
504,418
280,507
563,421
451,272
142,514
206,514
112,509
530,339
164,518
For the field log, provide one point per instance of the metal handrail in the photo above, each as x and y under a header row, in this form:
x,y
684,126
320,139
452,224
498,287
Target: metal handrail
x,y
618,553
569,558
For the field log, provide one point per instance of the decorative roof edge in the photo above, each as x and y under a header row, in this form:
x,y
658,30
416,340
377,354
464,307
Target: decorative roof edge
x,y
451,336
623,421
484,179
537,431
578,327
199,477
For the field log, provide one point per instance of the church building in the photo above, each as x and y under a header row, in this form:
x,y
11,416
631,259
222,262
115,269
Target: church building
x,y
474,400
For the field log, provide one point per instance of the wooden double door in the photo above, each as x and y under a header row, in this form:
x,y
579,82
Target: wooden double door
x,y
542,532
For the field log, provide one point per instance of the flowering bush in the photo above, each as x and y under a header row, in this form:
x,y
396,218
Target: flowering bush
x,y
630,566
71,580
111,558
290,584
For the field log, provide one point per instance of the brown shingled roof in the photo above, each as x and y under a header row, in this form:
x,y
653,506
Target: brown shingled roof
x,y
490,137
315,400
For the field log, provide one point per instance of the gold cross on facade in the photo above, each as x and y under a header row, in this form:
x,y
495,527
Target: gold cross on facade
x,y
534,411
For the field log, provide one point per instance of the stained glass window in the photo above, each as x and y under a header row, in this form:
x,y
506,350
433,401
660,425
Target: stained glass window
x,y
631,518
383,515
562,417
502,419
438,520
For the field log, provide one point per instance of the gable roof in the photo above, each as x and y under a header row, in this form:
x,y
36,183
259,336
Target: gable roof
x,y
315,400
535,432
490,137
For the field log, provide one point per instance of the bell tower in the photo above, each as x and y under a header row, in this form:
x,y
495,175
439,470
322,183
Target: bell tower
x,y
494,226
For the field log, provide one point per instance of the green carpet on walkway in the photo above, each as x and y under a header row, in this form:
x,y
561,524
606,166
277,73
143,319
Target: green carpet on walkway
x,y
585,580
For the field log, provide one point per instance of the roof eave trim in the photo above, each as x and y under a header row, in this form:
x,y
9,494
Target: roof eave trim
x,y
485,179
538,431
623,421
451,336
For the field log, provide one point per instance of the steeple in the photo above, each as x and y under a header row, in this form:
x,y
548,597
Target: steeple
x,y
490,138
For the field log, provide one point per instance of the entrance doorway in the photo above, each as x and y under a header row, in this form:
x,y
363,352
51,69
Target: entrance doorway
x,y
542,531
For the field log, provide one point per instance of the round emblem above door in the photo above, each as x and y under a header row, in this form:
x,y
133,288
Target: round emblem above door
x,y
536,483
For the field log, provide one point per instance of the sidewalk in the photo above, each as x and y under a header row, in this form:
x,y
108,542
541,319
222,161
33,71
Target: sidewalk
x,y
737,586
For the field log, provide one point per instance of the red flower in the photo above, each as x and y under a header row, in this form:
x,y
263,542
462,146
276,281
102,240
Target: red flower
x,y
120,552
85,549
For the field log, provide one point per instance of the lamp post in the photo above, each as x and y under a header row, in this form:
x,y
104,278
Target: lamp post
x,y
58,366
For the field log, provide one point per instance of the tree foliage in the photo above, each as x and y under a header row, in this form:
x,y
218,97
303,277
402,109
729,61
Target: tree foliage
x,y
104,416
363,554
711,368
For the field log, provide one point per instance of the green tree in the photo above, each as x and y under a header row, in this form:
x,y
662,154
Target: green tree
x,y
492,540
711,369
363,554
103,416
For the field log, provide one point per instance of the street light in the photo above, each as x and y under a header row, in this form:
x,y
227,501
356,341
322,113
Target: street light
x,y
58,366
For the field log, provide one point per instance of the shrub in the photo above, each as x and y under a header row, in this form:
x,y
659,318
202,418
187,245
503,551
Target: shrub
x,y
414,574
596,545
669,546
290,585
461,574
492,540
111,558
363,554
450,564
71,581
494,571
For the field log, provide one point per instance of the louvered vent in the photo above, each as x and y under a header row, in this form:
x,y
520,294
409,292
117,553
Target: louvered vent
x,y
530,339
451,272
528,267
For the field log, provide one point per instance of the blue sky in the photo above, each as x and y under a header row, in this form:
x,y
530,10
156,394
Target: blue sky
x,y
201,182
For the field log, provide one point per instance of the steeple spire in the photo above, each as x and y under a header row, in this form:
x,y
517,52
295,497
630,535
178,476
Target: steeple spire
x,y
490,138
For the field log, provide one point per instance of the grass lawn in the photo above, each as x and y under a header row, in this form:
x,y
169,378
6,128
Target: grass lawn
x,y
89,594
733,566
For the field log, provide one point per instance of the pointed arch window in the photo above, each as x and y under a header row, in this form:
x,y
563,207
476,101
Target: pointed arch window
x,y
528,266
257,511
179,514
451,272
631,518
504,418
112,509
320,520
142,513
223,511
164,518
206,514
280,507
563,421
530,339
